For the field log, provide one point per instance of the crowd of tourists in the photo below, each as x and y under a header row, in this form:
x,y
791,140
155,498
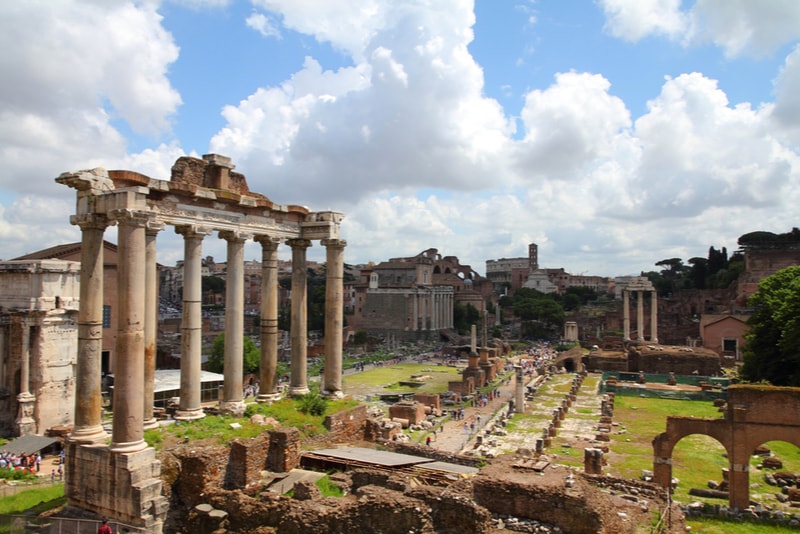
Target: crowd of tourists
x,y
21,462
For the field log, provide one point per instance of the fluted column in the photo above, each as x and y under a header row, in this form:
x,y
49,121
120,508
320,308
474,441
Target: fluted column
x,y
232,395
269,319
150,321
191,325
653,317
334,316
88,396
626,315
127,433
640,315
298,384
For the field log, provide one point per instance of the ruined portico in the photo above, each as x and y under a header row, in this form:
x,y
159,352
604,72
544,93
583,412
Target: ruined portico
x,y
639,285
204,196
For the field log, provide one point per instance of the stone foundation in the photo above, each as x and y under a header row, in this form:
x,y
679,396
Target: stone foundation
x,y
123,486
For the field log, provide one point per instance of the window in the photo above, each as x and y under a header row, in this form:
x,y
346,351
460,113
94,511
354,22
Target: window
x,y
106,316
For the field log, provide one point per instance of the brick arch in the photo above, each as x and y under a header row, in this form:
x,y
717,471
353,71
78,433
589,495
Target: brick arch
x,y
753,415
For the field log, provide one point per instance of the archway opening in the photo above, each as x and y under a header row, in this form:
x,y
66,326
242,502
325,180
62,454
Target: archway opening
x,y
774,467
699,463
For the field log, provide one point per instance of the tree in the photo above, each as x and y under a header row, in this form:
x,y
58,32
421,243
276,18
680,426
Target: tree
x,y
772,350
250,353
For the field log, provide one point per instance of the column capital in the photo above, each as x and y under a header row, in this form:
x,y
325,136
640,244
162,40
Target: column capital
x,y
267,241
88,221
233,235
298,243
333,243
192,230
129,216
154,226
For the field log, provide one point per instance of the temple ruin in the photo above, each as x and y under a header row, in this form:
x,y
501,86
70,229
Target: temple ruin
x,y
204,196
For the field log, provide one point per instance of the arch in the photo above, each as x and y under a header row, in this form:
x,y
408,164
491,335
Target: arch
x,y
753,415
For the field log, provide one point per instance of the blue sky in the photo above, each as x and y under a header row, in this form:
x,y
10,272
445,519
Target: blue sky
x,y
613,133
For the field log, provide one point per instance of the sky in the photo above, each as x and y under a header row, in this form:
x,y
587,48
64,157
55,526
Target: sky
x,y
612,133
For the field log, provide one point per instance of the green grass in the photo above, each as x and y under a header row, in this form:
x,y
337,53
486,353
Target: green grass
x,y
388,378
715,526
36,500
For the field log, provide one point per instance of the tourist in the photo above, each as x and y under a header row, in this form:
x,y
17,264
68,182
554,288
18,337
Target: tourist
x,y
104,528
428,441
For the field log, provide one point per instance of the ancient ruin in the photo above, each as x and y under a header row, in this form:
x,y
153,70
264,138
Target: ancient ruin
x,y
754,415
203,196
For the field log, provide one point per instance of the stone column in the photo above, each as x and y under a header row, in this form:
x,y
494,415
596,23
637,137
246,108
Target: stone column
x,y
626,316
232,401
415,310
127,434
640,316
653,317
191,325
88,396
26,401
150,321
298,384
334,316
268,391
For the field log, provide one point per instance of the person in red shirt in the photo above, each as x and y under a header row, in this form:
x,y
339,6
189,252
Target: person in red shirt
x,y
104,528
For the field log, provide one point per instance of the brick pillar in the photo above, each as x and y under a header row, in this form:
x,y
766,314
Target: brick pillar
x,y
88,396
191,324
298,384
127,434
269,318
334,316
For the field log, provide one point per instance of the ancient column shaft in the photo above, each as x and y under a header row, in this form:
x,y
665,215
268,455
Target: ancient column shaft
x,y
334,316
269,318
127,434
298,384
191,325
88,395
653,317
626,315
150,321
640,315
232,398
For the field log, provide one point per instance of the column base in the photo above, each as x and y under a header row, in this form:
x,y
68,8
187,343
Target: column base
x,y
189,415
128,446
235,407
268,397
295,391
337,394
88,435
150,424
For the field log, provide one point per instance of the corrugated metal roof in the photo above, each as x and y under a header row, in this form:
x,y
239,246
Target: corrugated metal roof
x,y
27,444
384,458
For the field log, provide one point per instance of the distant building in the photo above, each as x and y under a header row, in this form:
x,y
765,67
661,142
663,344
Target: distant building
x,y
38,345
413,297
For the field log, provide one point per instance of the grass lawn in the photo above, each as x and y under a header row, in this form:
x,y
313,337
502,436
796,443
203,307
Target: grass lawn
x,y
380,380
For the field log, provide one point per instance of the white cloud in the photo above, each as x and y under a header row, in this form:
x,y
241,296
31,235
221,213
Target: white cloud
x,y
633,20
78,67
263,25
736,26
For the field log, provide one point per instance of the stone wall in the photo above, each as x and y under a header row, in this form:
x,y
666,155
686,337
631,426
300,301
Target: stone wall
x,y
765,405
348,425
